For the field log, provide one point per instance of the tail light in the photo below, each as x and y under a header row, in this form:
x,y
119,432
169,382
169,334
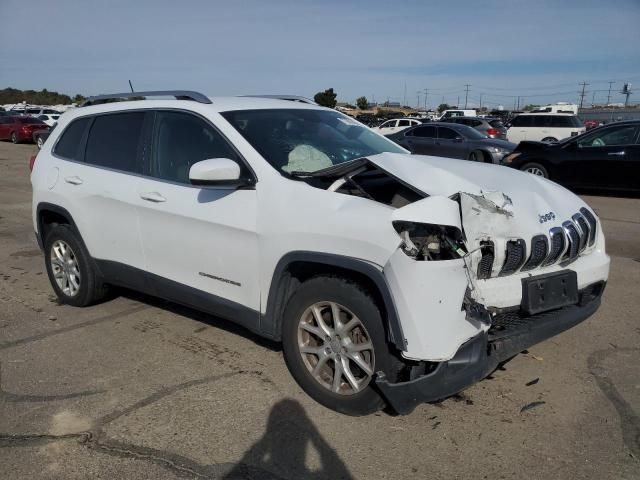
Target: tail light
x,y
492,132
32,162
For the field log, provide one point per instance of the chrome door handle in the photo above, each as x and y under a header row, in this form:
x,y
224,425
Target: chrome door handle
x,y
75,180
154,197
617,154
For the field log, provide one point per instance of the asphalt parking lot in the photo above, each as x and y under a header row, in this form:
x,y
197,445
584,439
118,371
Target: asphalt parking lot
x,y
140,388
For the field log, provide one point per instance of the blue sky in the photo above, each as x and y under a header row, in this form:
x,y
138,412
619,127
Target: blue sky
x,y
538,49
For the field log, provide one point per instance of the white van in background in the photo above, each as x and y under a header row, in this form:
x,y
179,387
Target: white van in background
x,y
543,127
458,113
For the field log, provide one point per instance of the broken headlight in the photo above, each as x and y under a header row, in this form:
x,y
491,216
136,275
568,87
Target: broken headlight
x,y
425,241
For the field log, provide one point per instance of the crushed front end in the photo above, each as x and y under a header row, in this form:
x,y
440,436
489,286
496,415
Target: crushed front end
x,y
483,279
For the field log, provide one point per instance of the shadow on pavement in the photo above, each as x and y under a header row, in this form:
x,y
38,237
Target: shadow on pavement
x,y
283,449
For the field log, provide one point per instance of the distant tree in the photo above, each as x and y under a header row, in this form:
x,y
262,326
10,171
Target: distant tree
x,y
78,99
443,106
326,98
530,107
362,103
43,97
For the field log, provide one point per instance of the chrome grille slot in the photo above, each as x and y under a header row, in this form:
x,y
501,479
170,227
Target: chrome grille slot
x,y
583,230
591,219
539,251
514,257
485,266
558,245
574,240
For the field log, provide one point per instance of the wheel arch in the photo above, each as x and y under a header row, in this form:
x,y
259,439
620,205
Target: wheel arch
x,y
296,267
49,214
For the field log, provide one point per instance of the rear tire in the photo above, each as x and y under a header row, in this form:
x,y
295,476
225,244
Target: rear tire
x,y
549,139
71,269
535,169
330,347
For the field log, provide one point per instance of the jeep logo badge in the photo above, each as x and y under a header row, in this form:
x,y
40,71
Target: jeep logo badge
x,y
546,217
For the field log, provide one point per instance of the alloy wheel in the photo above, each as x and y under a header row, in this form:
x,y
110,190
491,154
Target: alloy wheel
x,y
65,268
336,348
535,171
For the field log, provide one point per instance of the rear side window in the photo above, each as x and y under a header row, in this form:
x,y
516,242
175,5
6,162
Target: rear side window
x,y
69,143
403,123
496,123
115,140
562,122
541,120
522,121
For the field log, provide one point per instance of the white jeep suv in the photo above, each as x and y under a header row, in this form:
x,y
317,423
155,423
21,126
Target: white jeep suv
x,y
388,277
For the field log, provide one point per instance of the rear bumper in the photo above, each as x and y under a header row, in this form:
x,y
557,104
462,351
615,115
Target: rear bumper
x,y
510,334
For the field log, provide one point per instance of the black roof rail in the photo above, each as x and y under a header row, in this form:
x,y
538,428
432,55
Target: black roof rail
x,y
291,98
178,94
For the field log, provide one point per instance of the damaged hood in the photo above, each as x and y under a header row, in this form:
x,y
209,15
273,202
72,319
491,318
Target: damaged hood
x,y
529,195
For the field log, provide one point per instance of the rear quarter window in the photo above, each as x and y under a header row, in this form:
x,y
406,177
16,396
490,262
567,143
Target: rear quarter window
x,y
68,146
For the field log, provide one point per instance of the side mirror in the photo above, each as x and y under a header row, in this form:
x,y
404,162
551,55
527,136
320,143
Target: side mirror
x,y
215,171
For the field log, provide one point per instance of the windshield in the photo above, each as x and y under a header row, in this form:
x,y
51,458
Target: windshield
x,y
306,140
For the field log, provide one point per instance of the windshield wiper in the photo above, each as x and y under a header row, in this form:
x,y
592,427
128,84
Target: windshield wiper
x,y
338,170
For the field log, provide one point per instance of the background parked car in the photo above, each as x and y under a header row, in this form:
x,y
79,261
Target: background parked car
x,y
453,141
491,127
543,127
396,125
20,128
40,136
606,157
49,118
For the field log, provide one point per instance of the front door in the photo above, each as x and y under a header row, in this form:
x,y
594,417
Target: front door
x,y
605,158
421,140
200,242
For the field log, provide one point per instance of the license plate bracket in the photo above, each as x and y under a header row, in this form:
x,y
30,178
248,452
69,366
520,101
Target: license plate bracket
x,y
549,291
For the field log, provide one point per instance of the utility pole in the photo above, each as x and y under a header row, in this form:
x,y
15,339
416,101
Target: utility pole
x,y
418,92
593,99
458,104
609,94
466,94
518,107
404,104
426,94
481,101
582,94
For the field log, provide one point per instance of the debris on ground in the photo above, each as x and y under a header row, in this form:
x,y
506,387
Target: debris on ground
x,y
531,405
532,382
435,425
53,318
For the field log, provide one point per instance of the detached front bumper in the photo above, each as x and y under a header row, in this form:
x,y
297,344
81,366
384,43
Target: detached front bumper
x,y
510,334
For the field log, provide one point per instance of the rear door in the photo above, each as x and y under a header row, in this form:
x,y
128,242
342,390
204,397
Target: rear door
x,y
421,140
388,127
4,127
200,242
99,160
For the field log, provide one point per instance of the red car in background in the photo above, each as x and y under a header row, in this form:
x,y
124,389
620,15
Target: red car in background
x,y
20,128
589,124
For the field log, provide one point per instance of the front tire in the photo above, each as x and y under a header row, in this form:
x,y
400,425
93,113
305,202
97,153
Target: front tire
x,y
476,156
70,268
39,142
549,139
14,137
535,169
334,342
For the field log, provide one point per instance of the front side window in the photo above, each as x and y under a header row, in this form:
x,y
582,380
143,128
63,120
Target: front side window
x,y
307,140
115,141
389,124
180,140
447,133
69,144
624,135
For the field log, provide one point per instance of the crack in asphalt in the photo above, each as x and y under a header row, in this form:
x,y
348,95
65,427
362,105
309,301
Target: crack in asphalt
x,y
179,464
629,419
42,336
